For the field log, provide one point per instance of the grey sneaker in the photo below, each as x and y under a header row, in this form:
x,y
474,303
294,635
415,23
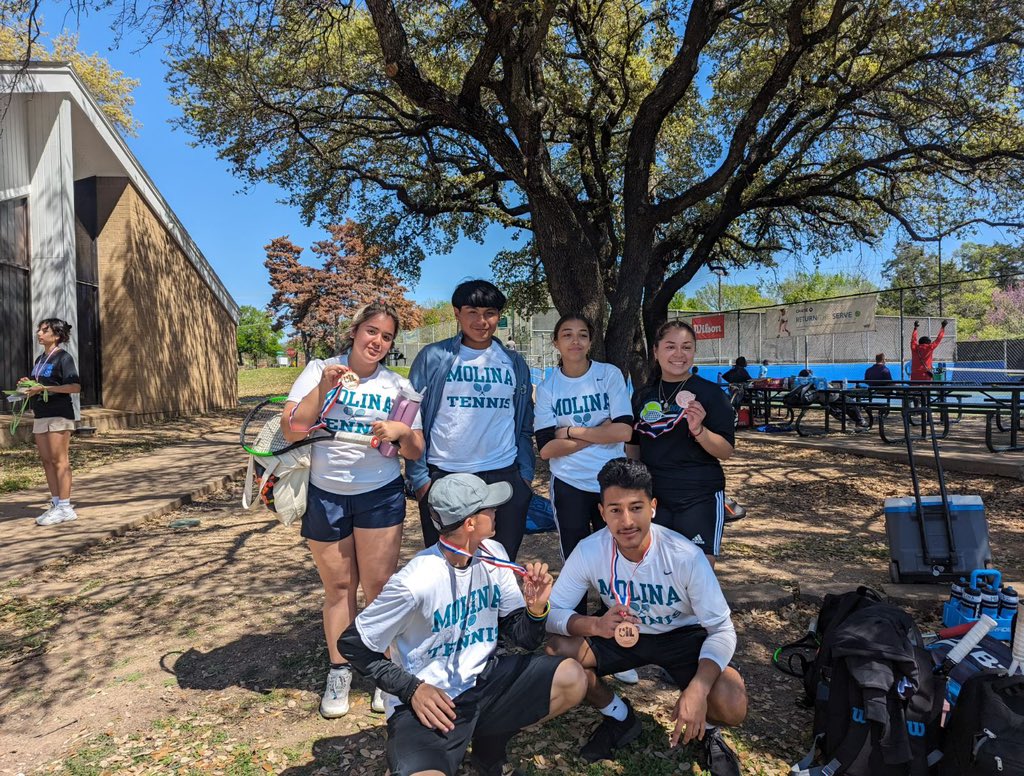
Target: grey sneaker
x,y
62,513
377,704
627,677
334,702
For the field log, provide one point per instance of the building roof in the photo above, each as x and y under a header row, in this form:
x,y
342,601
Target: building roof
x,y
59,77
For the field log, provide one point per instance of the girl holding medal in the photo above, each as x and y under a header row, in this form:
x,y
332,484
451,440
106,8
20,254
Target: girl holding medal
x,y
685,427
57,375
356,498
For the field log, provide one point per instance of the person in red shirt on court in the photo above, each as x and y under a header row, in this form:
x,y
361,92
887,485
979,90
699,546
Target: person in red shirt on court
x,y
921,351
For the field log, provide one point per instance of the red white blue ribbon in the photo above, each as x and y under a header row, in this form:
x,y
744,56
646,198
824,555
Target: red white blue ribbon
x,y
486,557
615,575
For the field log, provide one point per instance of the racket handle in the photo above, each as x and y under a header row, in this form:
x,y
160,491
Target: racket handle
x,y
967,643
356,439
1018,646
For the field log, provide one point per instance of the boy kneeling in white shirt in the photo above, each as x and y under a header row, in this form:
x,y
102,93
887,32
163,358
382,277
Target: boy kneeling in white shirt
x,y
441,615
665,607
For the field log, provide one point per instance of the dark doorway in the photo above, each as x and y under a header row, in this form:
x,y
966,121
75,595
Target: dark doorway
x,y
87,291
16,330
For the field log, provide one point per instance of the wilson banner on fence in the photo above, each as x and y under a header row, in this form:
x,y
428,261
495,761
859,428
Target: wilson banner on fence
x,y
709,326
839,316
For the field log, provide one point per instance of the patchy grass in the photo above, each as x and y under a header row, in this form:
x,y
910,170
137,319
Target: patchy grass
x,y
266,381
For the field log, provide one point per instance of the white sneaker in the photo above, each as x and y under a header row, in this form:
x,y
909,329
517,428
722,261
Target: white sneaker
x,y
62,513
334,702
39,520
377,704
627,677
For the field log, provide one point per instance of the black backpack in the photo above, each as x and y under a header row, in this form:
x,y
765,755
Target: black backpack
x,y
802,396
985,733
877,705
805,658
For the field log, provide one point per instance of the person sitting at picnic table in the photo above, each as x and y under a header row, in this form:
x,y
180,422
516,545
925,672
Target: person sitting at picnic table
x,y
878,373
921,352
739,373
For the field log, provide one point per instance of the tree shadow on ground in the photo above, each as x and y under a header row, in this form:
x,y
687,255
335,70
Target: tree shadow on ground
x,y
292,657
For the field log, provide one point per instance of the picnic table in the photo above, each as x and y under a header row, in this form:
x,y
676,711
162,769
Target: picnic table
x,y
998,402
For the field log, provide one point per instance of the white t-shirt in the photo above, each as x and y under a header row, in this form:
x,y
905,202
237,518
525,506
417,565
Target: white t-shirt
x,y
474,429
674,586
441,622
344,467
588,400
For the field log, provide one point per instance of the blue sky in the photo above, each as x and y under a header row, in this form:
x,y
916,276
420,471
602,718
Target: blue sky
x,y
231,226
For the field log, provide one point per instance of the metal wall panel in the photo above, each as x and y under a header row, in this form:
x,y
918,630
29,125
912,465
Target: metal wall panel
x,y
14,166
52,213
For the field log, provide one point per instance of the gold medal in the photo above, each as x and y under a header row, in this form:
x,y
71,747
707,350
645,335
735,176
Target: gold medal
x,y
626,634
350,380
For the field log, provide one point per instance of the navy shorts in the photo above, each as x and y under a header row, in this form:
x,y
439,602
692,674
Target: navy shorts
x,y
330,517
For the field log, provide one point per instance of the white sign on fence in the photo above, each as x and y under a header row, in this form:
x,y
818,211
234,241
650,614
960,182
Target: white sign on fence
x,y
834,317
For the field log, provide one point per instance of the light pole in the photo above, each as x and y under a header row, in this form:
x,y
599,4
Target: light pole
x,y
721,272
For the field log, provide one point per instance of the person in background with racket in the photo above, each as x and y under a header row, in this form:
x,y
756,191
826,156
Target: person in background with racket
x,y
665,607
50,401
685,426
356,499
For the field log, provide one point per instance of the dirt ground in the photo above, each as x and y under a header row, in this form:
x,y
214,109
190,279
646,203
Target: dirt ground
x,y
199,650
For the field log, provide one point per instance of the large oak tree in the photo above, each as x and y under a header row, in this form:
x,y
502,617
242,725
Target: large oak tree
x,y
630,142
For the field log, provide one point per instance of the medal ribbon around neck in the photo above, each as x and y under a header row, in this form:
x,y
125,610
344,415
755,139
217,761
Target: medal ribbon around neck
x,y
37,370
486,557
615,574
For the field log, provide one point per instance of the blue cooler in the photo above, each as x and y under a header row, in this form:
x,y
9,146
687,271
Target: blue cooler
x,y
924,556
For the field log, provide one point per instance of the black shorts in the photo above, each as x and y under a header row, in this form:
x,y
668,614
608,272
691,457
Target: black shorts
x,y
700,518
678,652
514,691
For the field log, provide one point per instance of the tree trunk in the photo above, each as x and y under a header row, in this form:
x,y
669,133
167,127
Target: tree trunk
x,y
571,263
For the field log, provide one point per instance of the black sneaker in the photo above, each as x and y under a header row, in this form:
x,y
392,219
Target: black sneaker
x,y
717,757
611,735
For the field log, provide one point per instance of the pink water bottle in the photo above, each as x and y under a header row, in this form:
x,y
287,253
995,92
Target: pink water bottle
x,y
404,410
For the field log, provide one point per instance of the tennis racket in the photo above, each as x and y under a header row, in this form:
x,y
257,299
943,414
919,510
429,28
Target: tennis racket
x,y
261,433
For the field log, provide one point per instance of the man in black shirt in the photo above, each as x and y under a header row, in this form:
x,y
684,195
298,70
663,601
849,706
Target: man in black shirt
x,y
739,373
878,373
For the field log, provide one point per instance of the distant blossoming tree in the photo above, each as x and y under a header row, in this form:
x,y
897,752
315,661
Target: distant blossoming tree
x,y
313,301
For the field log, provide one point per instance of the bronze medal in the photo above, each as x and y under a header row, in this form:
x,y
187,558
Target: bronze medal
x,y
683,399
626,634
350,380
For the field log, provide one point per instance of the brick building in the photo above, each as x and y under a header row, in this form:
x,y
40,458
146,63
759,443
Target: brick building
x,y
86,236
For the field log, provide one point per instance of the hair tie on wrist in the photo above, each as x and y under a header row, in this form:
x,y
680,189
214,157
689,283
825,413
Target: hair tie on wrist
x,y
701,432
567,434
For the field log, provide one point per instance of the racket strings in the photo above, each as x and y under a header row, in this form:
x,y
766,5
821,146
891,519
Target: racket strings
x,y
263,432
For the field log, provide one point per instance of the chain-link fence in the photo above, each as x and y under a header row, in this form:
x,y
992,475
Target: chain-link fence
x,y
983,341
